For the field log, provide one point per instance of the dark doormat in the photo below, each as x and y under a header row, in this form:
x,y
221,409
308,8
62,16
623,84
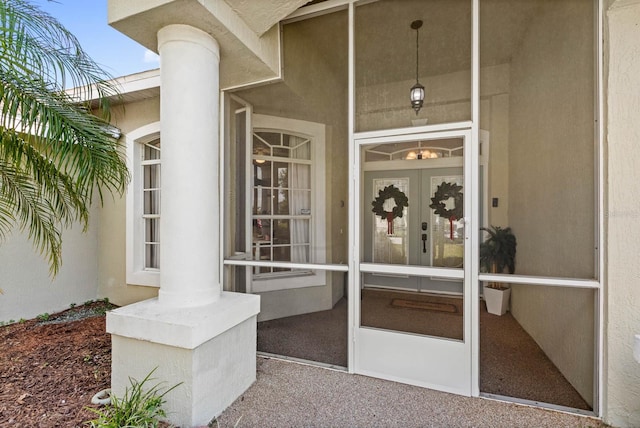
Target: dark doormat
x,y
425,305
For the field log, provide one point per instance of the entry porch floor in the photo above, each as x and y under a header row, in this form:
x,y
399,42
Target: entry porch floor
x,y
511,363
290,394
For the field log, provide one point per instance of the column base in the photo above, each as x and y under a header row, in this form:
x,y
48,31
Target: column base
x,y
193,298
210,350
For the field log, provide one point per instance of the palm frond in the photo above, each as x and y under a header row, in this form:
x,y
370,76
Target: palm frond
x,y
65,132
36,44
498,251
54,152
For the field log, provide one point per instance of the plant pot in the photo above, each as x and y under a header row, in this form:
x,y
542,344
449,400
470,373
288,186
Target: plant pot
x,y
497,300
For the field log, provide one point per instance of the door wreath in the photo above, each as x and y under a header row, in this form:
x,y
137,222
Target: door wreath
x,y
399,198
443,193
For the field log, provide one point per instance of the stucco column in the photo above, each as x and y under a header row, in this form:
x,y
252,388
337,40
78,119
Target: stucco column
x,y
193,334
189,103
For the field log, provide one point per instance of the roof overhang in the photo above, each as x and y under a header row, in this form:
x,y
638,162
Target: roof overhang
x,y
131,88
246,30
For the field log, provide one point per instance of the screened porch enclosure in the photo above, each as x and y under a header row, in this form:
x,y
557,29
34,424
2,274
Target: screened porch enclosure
x,y
534,163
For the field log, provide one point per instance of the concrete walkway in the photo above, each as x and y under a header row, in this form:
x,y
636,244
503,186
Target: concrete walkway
x,y
288,394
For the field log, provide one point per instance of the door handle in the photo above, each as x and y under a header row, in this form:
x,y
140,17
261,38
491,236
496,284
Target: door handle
x,y
424,226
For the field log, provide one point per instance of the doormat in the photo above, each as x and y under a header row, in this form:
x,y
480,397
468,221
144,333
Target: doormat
x,y
425,305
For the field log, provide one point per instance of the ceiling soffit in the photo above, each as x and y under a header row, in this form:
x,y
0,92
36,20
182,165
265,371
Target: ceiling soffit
x,y
261,15
246,30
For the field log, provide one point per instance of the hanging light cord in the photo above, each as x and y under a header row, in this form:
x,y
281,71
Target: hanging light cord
x,y
417,53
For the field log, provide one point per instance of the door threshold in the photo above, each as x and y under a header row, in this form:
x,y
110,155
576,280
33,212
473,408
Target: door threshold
x,y
302,361
539,404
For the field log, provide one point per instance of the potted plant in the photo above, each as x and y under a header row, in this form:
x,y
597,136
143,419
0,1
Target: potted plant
x,y
497,253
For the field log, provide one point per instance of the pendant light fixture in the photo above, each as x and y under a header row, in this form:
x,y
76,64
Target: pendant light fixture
x,y
417,91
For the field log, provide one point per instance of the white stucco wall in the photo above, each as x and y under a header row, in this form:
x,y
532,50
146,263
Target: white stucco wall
x,y
622,372
28,289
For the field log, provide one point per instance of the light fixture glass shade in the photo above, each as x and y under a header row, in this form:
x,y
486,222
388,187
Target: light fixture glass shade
x,y
411,155
417,96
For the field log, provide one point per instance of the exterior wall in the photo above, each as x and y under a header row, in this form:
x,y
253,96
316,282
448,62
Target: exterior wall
x,y
27,288
622,372
112,233
494,117
549,174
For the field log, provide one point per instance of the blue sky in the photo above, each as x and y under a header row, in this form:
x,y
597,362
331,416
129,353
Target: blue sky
x,y
87,20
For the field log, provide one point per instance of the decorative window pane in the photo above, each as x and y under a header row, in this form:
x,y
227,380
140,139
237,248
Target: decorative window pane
x,y
261,201
447,235
281,174
152,151
151,175
152,256
281,152
152,230
281,202
391,248
282,197
152,201
281,232
282,254
303,199
260,147
270,138
262,173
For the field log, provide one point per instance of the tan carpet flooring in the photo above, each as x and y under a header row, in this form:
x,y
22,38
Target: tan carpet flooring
x,y
511,363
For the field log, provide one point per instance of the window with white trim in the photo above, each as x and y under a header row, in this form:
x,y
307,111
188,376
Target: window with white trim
x,y
143,206
281,200
285,202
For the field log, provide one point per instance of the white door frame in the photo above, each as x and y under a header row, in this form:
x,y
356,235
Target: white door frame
x,y
374,352
471,270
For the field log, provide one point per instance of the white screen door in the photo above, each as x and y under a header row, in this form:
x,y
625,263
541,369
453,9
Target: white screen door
x,y
413,318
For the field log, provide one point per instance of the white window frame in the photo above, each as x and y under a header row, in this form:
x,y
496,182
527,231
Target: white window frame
x,y
136,273
316,132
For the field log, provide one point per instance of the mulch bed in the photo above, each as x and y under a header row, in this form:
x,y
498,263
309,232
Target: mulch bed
x,y
50,369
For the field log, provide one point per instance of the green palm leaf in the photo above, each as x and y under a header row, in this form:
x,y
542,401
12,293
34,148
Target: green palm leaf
x,y
54,153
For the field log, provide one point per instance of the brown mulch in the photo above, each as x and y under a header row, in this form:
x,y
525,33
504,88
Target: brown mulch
x,y
50,369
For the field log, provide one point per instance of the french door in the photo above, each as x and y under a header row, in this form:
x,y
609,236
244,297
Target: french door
x,y
413,315
421,237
